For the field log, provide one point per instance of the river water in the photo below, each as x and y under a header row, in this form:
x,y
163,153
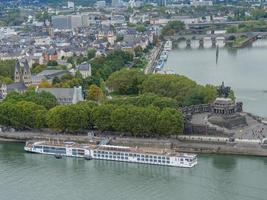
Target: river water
x,y
245,70
25,176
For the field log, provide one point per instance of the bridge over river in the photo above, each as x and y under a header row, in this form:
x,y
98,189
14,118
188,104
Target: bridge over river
x,y
250,37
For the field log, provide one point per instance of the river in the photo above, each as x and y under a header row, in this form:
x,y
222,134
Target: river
x,y
245,70
25,176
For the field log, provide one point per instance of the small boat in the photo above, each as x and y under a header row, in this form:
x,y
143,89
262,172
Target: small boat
x,y
168,46
164,55
160,64
58,156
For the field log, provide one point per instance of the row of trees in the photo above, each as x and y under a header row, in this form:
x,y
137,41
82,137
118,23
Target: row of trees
x,y
44,99
145,100
139,121
7,69
172,28
180,88
247,27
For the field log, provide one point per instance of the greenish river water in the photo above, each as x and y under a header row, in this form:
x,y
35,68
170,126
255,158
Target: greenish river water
x,y
245,70
25,176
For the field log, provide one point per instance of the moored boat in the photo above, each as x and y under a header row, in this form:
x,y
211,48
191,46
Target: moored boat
x,y
115,153
168,45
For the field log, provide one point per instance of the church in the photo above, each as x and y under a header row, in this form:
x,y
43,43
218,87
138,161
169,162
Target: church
x,y
23,72
22,79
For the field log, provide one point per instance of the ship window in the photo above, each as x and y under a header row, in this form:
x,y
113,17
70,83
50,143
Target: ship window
x,y
130,154
102,155
186,160
182,159
126,154
138,155
155,157
114,156
163,158
142,159
150,156
163,161
126,158
110,156
151,160
146,156
134,155
155,160
142,156
146,159
138,159
168,158
168,162
159,161
106,156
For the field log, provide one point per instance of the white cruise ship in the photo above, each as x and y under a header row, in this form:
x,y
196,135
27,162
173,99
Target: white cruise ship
x,y
115,153
168,45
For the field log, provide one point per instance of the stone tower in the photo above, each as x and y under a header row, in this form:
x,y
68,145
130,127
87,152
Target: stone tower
x,y
23,72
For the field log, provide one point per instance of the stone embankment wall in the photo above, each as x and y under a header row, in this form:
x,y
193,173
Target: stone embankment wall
x,y
178,144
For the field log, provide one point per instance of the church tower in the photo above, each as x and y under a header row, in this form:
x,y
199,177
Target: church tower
x,y
17,73
27,78
23,72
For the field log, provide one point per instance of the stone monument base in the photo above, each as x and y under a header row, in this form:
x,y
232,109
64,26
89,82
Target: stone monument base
x,y
229,121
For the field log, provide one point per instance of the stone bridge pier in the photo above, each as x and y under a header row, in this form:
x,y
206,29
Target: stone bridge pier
x,y
188,43
201,43
213,42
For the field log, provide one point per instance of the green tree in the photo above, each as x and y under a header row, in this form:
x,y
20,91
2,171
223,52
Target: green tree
x,y
173,86
10,115
126,81
173,27
141,28
102,117
43,98
138,51
91,53
32,115
95,93
5,80
52,63
169,122
7,68
70,118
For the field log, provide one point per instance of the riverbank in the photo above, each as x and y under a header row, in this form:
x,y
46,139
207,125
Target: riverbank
x,y
213,147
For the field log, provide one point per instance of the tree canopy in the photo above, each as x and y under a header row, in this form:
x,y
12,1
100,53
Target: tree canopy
x,y
172,28
126,81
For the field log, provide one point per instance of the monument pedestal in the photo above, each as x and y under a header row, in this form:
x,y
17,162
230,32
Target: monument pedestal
x,y
226,113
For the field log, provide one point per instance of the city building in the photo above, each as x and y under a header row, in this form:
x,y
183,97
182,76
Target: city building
x,y
100,4
65,96
65,22
71,4
84,69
